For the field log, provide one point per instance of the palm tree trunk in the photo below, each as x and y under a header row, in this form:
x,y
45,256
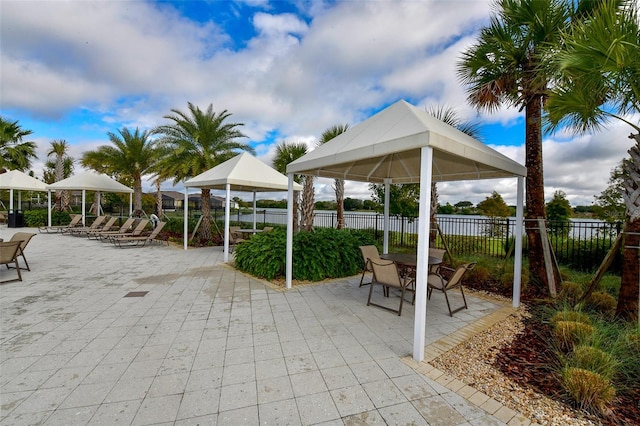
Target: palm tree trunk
x,y
137,194
308,202
205,226
339,189
535,191
296,211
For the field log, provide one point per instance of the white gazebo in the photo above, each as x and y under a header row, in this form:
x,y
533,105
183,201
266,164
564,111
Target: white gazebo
x,y
243,173
19,181
89,181
403,144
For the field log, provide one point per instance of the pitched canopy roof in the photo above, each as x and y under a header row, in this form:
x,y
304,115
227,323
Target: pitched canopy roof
x,y
387,145
90,181
243,172
15,179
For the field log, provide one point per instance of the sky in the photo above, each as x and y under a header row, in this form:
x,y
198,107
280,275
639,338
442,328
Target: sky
x,y
287,70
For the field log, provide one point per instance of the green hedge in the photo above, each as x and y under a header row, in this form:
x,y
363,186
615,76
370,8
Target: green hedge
x,y
323,253
35,218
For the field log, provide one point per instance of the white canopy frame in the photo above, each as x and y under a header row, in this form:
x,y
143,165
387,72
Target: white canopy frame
x,y
15,180
403,144
244,173
89,181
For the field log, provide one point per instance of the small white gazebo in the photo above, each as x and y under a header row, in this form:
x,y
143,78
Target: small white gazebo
x,y
244,173
19,181
404,144
89,181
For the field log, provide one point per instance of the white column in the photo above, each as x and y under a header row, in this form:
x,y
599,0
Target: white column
x,y
517,264
130,204
289,255
49,207
227,214
254,209
11,209
422,267
385,232
186,215
84,197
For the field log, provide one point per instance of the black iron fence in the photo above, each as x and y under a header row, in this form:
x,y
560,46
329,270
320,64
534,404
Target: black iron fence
x,y
580,244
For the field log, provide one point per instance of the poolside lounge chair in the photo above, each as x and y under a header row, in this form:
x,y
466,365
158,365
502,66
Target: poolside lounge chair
x,y
104,232
108,226
9,255
23,238
386,274
136,232
368,253
139,241
79,230
440,283
76,220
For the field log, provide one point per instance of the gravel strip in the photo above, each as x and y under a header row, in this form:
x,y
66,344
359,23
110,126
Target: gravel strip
x,y
472,363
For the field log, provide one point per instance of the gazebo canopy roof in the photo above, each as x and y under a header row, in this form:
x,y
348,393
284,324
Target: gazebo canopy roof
x,y
243,172
90,181
387,146
15,179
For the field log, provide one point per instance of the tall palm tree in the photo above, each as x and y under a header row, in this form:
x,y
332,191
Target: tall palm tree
x,y
286,152
338,184
130,157
14,153
600,63
199,140
63,166
511,64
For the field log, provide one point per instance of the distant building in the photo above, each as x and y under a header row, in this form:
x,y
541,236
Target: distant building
x,y
174,200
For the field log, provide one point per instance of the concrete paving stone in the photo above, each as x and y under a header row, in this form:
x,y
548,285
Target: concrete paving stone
x,y
437,412
317,408
368,371
238,396
169,384
27,381
339,377
240,342
246,416
206,360
394,367
48,362
270,368
16,365
71,416
176,364
40,400
129,389
295,347
351,400
486,420
268,351
149,352
142,368
384,393
307,383
328,358
402,414
204,379
265,338
300,363
36,418
67,377
274,389
238,356
468,410
212,344
414,387
156,410
199,403
85,395
10,400
372,418
238,373
283,412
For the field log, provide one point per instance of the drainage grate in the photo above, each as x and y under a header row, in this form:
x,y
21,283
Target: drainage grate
x,y
136,294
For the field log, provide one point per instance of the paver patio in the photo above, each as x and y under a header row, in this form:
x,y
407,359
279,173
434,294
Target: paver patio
x,y
201,343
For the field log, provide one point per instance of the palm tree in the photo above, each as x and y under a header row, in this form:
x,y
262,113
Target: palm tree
x,y
511,64
199,140
63,166
601,80
14,153
338,184
130,157
286,152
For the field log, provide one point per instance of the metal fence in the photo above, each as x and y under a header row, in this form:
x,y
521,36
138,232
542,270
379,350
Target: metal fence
x,y
580,244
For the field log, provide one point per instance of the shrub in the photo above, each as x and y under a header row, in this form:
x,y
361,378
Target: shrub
x,y
591,391
506,280
35,218
571,315
323,253
571,292
479,274
569,333
602,302
593,359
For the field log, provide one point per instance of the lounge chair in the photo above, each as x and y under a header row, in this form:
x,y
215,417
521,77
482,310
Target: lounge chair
x,y
79,230
139,241
136,232
440,283
126,226
386,274
23,238
9,255
437,254
368,253
76,220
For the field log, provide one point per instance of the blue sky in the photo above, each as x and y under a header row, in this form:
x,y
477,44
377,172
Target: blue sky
x,y
76,70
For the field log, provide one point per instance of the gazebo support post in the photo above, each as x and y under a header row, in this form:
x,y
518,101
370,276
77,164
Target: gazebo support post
x,y
185,210
227,213
517,264
130,204
49,208
420,319
84,215
254,209
387,196
289,255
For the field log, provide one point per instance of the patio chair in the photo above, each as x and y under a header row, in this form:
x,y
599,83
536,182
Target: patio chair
x,y
97,224
386,274
267,229
23,238
438,254
76,220
139,241
126,226
440,283
9,255
368,253
137,231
